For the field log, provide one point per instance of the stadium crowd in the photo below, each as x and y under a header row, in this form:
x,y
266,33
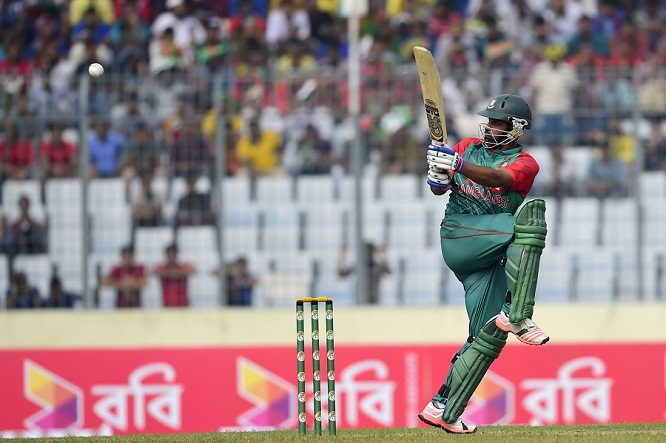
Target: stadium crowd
x,y
584,66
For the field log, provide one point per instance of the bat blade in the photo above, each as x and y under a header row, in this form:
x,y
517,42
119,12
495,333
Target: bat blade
x,y
431,88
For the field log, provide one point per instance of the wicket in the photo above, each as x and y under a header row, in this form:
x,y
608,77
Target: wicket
x,y
330,363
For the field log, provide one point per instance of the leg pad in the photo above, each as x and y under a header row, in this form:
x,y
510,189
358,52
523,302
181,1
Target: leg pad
x,y
470,367
522,263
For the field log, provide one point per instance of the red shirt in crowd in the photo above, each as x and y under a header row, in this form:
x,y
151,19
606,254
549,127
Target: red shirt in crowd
x,y
58,155
18,154
174,289
128,298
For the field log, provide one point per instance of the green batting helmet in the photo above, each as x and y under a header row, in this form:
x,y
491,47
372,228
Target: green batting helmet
x,y
507,107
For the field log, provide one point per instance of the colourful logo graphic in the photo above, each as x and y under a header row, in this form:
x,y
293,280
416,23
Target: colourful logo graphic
x,y
493,401
60,400
272,395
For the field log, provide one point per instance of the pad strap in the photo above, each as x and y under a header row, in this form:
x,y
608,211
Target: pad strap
x,y
470,367
522,264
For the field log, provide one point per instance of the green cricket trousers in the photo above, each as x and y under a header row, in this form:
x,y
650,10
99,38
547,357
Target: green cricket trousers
x,y
473,247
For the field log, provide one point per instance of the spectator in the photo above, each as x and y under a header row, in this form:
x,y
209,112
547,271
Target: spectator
x,y
295,60
165,55
194,208
310,155
258,6
58,297
214,51
321,22
285,22
442,17
173,275
651,98
654,147
27,121
558,179
16,154
130,29
240,283
26,235
563,16
621,143
91,27
21,295
187,30
457,49
552,84
144,7
3,235
608,18
377,265
127,116
590,95
258,150
190,152
172,125
13,63
496,47
247,17
106,151
102,8
629,46
585,36
623,147
418,36
58,157
146,204
208,126
142,155
606,176
85,51
128,278
213,8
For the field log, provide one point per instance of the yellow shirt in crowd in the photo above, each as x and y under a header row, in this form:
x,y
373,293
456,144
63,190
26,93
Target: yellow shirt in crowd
x,y
261,156
104,9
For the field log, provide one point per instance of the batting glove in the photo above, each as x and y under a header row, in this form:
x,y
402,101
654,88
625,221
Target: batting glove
x,y
439,178
443,157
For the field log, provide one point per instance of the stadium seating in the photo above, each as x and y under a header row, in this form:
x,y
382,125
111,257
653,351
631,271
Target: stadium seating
x,y
575,265
555,282
652,184
4,278
316,189
594,275
38,269
579,222
149,244
271,191
619,225
12,190
399,188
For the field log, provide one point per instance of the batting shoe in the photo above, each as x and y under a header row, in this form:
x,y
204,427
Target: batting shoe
x,y
432,415
526,331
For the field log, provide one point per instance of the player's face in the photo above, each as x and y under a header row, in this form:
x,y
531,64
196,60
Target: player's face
x,y
495,133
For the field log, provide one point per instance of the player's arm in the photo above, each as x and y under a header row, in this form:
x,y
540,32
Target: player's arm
x,y
441,157
485,176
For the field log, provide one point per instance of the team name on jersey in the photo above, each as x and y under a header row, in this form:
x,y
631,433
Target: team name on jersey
x,y
479,193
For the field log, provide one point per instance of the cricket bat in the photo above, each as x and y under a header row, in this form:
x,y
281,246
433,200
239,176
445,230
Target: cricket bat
x,y
431,87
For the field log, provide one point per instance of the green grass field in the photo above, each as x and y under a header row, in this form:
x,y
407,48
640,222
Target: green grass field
x,y
494,434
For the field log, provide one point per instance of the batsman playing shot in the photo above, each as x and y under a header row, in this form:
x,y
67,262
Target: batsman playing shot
x,y
494,253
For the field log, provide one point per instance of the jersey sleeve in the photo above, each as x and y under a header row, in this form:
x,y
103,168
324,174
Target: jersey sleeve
x,y
523,170
463,144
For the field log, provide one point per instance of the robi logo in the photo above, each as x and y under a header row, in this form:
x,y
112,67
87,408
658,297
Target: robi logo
x,y
492,402
60,400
